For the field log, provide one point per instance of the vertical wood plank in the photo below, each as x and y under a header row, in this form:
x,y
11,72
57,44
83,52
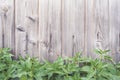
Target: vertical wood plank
x,y
31,23
68,26
97,21
72,27
50,29
27,27
114,14
1,26
79,33
7,23
1,38
55,29
1,23
20,38
43,28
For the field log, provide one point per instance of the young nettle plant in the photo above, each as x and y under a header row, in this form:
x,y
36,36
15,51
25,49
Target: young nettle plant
x,y
103,55
75,68
7,65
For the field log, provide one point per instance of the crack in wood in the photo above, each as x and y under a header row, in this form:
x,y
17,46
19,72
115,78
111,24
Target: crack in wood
x,y
26,43
3,42
50,44
73,45
119,42
31,18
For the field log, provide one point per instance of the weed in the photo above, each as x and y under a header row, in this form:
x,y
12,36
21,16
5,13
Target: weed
x,y
75,68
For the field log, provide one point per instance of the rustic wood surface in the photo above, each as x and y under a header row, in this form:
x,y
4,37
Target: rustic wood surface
x,y
7,23
50,28
97,21
114,17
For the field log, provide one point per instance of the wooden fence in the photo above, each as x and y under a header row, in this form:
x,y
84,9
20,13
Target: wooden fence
x,y
51,28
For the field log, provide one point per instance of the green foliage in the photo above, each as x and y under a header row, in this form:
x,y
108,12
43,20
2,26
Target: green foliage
x,y
75,68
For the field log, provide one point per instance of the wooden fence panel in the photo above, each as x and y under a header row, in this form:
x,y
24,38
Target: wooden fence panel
x,y
72,27
20,38
114,15
1,33
1,28
7,23
32,27
27,27
78,37
97,25
43,28
50,29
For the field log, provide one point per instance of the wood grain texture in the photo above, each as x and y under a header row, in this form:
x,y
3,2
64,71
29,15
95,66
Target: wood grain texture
x,y
72,27
27,27
21,29
7,23
97,25
32,27
114,14
1,38
1,24
50,29
79,33
43,28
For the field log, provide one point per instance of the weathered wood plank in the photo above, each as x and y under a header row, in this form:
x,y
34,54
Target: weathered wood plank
x,y
2,22
55,29
32,27
72,27
20,38
79,33
1,33
7,23
1,39
1,26
114,14
43,28
97,21
27,27
50,29
68,26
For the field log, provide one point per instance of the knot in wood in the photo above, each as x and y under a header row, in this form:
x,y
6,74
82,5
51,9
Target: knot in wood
x,y
5,9
20,28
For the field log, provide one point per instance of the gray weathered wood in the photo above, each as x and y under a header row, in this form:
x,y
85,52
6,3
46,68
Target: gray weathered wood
x,y
79,24
114,15
27,27
50,29
32,27
7,23
20,30
43,28
97,21
1,33
1,39
1,22
72,27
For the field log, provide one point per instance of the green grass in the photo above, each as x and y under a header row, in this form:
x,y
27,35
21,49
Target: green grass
x,y
76,68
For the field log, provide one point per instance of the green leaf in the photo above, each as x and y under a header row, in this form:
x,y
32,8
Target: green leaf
x,y
86,69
